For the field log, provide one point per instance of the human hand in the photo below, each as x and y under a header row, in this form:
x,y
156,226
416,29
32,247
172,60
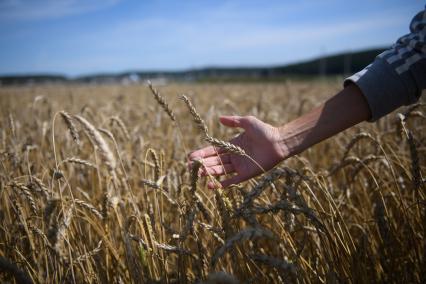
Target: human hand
x,y
260,141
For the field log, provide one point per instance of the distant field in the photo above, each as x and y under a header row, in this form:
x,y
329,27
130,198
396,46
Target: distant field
x,y
106,196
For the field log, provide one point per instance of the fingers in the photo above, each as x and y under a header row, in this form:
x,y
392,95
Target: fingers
x,y
218,170
244,122
216,165
231,121
205,152
217,160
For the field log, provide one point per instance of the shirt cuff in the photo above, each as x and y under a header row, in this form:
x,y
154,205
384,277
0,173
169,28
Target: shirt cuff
x,y
381,86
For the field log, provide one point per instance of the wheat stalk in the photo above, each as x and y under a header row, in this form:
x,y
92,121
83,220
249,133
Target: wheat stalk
x,y
99,142
27,193
202,207
41,186
12,125
88,206
280,264
215,232
195,115
415,162
246,234
154,157
356,139
149,230
162,102
259,188
121,125
89,254
226,146
78,161
107,133
42,235
194,177
71,126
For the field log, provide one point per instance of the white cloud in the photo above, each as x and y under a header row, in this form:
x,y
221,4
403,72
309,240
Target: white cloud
x,y
163,43
205,35
47,9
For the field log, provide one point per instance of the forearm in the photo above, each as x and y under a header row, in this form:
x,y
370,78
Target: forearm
x,y
345,109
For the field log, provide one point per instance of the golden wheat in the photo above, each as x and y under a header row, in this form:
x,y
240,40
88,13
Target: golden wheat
x,y
350,209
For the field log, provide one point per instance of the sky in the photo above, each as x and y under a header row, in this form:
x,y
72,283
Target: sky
x,y
80,37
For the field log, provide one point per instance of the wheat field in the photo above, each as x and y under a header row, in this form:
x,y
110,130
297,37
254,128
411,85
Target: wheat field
x,y
95,188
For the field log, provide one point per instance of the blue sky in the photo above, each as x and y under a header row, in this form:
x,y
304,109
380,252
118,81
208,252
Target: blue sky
x,y
75,37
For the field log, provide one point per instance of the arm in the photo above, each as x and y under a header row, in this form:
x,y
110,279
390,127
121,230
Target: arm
x,y
397,77
338,113
269,145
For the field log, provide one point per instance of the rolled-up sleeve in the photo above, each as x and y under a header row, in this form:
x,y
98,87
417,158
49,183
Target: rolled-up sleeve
x,y
397,76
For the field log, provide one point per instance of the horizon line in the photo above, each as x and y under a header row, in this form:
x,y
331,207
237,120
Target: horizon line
x,y
183,70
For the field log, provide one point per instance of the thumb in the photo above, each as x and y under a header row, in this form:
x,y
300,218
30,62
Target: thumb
x,y
230,121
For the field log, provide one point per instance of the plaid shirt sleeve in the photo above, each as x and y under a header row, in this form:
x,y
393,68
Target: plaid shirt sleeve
x,y
397,76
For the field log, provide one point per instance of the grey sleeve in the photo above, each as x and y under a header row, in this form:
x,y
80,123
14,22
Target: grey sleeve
x,y
397,76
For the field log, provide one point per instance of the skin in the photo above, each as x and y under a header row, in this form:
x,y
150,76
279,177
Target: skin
x,y
269,145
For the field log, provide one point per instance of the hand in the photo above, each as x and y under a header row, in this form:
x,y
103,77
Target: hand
x,y
260,141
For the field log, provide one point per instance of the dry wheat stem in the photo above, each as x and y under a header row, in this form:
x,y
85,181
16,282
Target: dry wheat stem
x,y
71,126
12,125
162,102
194,176
154,157
121,125
356,139
90,207
41,185
202,207
196,116
107,133
279,264
336,217
226,146
98,142
78,161
89,254
26,192
260,187
246,234
215,231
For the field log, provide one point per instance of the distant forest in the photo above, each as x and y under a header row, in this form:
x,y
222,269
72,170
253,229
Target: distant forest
x,y
339,64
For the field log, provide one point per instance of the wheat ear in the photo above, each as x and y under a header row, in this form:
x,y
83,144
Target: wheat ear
x,y
195,115
226,145
89,207
162,102
78,161
121,125
98,142
245,234
71,126
214,141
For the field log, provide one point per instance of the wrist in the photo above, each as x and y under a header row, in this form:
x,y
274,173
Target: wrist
x,y
289,145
